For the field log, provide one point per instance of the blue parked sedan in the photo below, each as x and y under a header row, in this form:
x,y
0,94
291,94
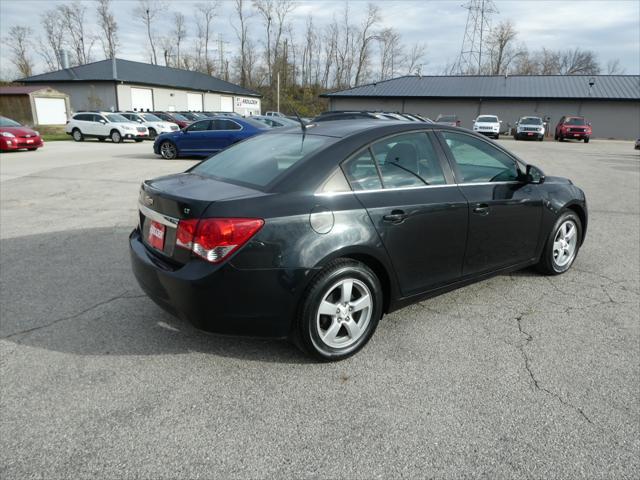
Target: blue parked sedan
x,y
206,137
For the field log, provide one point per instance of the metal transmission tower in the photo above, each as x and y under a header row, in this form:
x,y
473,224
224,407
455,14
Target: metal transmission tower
x,y
478,25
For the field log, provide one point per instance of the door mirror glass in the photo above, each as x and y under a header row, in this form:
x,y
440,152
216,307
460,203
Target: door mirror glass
x,y
102,121
534,175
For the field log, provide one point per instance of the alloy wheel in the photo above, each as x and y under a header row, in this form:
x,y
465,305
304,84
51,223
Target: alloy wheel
x,y
344,313
116,137
168,150
565,243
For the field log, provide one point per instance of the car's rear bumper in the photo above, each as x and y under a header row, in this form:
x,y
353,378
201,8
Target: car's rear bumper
x,y
219,298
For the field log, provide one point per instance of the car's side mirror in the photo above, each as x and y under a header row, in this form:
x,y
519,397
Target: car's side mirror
x,y
534,175
500,121
102,121
139,121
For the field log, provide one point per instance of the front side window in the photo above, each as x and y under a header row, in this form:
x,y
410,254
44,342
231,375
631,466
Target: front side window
x,y
479,161
408,160
199,126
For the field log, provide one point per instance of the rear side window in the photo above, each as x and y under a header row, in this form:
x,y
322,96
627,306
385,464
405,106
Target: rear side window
x,y
361,172
408,160
83,117
224,125
260,159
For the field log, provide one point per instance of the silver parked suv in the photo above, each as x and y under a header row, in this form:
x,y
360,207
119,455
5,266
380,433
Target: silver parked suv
x,y
103,125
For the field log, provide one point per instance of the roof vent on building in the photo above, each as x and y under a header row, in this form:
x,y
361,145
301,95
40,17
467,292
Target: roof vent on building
x,y
64,59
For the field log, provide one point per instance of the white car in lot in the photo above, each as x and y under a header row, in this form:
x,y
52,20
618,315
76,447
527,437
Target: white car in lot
x,y
154,124
488,125
103,125
529,127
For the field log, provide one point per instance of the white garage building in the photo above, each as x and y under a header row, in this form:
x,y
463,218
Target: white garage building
x,y
125,85
34,105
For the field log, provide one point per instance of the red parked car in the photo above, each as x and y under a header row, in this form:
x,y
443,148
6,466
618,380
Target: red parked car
x,y
14,136
174,117
573,127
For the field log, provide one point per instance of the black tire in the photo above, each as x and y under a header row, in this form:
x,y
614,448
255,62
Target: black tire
x,y
560,138
168,150
497,137
307,334
541,138
547,263
32,149
101,139
138,140
586,140
152,133
515,137
77,135
116,136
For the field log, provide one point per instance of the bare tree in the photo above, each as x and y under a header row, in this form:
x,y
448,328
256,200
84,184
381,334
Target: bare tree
x,y
548,62
148,11
179,34
107,22
501,49
206,14
365,36
415,57
579,62
51,46
167,47
614,67
80,41
19,44
265,10
242,33
391,52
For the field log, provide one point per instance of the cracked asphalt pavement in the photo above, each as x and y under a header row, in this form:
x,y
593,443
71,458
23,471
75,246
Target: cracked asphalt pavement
x,y
519,376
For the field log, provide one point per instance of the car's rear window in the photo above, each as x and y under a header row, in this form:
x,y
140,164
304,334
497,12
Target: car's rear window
x,y
260,159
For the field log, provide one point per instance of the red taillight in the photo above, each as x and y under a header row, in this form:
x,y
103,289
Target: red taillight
x,y
216,238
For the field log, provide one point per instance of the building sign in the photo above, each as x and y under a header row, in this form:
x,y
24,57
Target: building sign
x,y
244,102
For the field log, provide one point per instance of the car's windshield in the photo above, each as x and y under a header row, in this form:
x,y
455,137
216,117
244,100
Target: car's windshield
x,y
260,159
179,117
6,122
530,121
487,119
575,121
189,116
117,118
150,117
447,118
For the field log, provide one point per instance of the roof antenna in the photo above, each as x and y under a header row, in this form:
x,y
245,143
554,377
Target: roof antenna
x,y
302,126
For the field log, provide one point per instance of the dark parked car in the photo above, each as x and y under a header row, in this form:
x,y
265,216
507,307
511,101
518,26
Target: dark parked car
x,y
206,137
315,235
573,127
174,117
451,120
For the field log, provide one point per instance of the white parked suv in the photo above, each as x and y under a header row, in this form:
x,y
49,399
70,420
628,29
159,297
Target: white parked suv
x,y
488,125
529,127
154,124
103,125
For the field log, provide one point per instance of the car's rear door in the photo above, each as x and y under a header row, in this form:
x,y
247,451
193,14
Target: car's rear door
x,y
505,212
419,213
227,132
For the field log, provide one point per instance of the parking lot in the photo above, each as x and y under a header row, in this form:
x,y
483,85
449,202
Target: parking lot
x,y
518,376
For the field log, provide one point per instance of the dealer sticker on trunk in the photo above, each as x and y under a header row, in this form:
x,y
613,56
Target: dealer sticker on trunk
x,y
156,235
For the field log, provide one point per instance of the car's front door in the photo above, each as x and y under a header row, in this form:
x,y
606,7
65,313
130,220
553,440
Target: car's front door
x,y
420,215
505,212
196,138
99,126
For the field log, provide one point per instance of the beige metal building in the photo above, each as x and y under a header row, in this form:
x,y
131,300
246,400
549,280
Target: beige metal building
x,y
34,105
610,102
125,85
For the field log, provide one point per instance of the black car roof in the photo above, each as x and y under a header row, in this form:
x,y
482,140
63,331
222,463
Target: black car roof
x,y
347,128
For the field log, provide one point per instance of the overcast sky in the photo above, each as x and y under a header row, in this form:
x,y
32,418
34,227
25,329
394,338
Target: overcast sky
x,y
611,28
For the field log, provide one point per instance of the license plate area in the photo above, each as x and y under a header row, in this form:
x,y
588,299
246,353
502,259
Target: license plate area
x,y
156,235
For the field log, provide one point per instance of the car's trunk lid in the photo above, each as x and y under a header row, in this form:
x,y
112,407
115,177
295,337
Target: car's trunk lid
x,y
164,201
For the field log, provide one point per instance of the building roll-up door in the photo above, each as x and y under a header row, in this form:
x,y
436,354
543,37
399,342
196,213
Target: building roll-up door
x,y
194,102
50,111
226,104
141,99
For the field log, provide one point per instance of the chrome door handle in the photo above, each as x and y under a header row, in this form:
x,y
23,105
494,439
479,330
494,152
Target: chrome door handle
x,y
481,209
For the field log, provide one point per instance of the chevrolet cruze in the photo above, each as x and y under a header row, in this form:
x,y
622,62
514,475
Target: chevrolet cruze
x,y
315,234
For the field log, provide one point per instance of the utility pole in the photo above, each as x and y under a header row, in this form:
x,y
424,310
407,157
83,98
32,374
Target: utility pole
x,y
478,22
278,93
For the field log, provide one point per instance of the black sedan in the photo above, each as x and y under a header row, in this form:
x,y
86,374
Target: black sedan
x,y
314,235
